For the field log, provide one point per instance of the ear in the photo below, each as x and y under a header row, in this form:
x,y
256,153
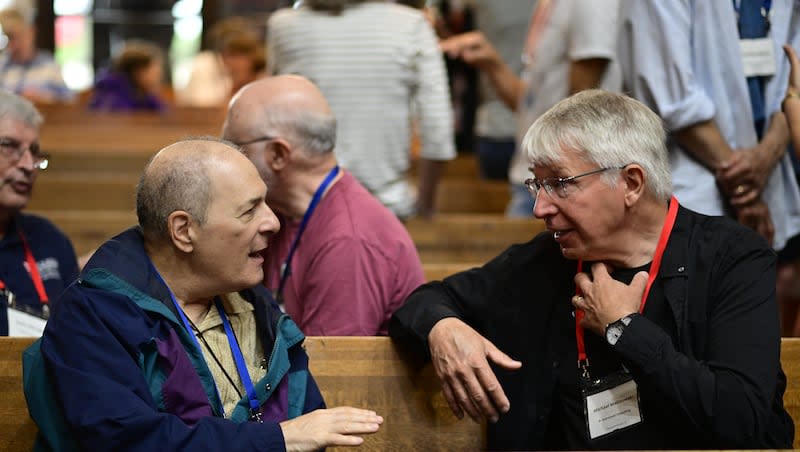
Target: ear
x,y
633,178
181,230
279,154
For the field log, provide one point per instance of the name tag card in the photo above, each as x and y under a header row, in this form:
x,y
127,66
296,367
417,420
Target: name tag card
x,y
23,324
758,57
612,409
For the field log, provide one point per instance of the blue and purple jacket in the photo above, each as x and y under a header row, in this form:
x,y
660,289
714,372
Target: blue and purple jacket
x,y
126,375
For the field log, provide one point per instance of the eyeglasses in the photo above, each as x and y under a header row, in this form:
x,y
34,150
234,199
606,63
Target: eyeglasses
x,y
13,150
255,140
560,185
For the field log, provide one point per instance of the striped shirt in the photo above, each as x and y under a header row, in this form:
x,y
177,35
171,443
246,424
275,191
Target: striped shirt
x,y
380,68
41,75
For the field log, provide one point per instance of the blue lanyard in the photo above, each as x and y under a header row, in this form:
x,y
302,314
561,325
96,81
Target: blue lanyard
x,y
187,326
766,6
241,367
286,268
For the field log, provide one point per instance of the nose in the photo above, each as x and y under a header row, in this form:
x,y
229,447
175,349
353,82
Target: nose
x,y
26,160
543,205
270,223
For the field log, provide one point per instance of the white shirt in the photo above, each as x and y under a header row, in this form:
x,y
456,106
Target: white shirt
x,y
682,59
379,66
576,30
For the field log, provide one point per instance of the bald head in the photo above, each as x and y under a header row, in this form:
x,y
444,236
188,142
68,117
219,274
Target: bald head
x,y
286,106
178,178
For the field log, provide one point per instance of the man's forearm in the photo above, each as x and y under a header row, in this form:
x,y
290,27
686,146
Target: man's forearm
x,y
791,111
773,144
508,86
704,141
429,173
586,74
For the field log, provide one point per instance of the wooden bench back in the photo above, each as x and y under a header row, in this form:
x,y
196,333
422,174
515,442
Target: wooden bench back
x,y
368,372
448,239
365,372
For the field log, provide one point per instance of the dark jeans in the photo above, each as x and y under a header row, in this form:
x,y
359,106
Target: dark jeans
x,y
494,156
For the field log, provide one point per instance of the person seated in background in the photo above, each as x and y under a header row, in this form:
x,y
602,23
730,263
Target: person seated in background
x,y
37,261
134,82
236,58
342,262
635,322
26,70
169,341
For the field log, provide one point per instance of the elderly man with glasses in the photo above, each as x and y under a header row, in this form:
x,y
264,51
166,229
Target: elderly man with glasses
x,y
633,323
37,261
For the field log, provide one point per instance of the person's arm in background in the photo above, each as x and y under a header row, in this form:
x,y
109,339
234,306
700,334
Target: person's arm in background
x,y
791,103
586,74
474,49
591,47
435,116
751,167
655,39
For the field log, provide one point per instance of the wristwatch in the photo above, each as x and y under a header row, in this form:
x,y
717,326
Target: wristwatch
x,y
615,329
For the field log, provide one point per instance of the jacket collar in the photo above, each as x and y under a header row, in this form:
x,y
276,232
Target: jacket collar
x,y
124,257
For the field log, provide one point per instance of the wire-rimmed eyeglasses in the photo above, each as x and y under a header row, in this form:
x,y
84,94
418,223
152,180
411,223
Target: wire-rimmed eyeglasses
x,y
13,150
560,185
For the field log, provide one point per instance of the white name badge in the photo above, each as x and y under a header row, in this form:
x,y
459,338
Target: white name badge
x,y
22,324
612,409
758,57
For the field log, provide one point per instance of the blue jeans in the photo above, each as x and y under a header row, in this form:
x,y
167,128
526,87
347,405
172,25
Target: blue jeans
x,y
521,203
494,157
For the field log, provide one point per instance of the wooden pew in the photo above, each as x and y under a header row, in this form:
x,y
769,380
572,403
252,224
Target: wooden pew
x,y
438,271
81,140
469,237
88,229
83,190
367,372
464,166
361,371
447,239
472,196
115,190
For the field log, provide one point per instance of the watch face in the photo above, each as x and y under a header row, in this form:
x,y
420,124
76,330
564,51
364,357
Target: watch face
x,y
613,332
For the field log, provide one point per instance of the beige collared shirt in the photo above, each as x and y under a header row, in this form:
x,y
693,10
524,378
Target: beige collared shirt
x,y
243,322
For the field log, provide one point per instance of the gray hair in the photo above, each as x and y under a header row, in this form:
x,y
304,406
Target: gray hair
x,y
607,129
333,6
20,109
313,132
183,184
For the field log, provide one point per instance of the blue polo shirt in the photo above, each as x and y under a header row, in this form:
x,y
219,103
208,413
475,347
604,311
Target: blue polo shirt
x,y
55,259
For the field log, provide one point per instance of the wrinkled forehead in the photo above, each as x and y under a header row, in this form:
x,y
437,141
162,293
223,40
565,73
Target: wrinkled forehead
x,y
14,128
557,161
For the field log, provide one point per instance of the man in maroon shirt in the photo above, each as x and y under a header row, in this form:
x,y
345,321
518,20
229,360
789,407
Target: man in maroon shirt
x,y
342,262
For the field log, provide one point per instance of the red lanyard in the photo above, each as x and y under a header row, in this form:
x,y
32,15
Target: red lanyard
x,y
33,269
666,230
